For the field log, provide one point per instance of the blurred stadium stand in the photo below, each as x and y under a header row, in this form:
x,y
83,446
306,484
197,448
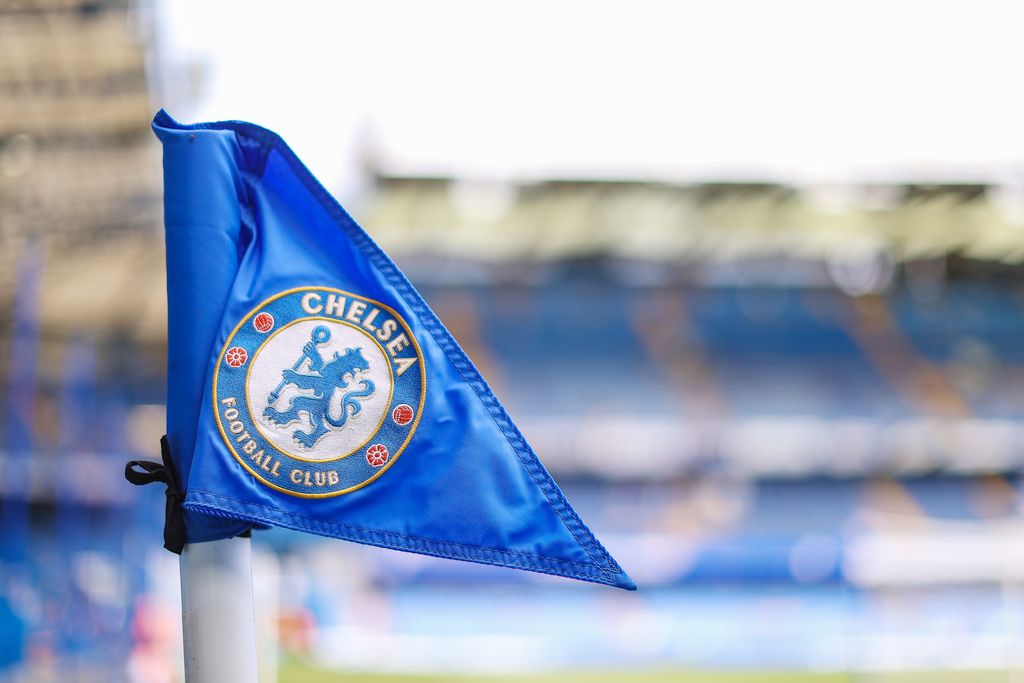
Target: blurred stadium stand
x,y
770,400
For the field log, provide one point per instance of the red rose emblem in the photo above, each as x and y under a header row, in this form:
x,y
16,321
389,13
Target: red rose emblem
x,y
377,455
236,356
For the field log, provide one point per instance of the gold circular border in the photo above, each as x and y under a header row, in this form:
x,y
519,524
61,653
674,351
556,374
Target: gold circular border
x,y
256,424
412,430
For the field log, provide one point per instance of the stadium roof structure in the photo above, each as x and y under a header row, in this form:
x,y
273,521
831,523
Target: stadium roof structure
x,y
663,222
105,273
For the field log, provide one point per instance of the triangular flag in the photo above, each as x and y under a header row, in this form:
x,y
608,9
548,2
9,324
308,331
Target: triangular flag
x,y
311,387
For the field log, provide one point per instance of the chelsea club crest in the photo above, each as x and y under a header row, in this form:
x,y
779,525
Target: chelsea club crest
x,y
318,391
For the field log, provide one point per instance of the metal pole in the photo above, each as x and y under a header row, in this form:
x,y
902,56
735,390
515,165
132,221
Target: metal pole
x,y
217,612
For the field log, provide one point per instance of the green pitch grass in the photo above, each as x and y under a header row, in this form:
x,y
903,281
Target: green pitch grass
x,y
300,673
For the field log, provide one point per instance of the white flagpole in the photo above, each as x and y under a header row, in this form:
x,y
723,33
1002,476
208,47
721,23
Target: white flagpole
x,y
217,612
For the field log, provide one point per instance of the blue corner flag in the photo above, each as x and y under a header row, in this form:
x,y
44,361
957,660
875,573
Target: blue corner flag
x,y
311,387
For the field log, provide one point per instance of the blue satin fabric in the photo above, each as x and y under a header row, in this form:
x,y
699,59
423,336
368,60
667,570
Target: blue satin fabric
x,y
245,221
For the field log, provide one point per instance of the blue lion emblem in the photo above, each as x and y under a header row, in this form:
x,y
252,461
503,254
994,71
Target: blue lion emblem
x,y
325,378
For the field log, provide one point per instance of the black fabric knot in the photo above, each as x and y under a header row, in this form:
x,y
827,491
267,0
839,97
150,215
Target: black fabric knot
x,y
142,472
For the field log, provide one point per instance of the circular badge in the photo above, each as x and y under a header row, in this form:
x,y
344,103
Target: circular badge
x,y
312,376
263,322
402,414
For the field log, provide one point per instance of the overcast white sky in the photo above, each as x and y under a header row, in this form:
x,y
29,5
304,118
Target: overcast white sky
x,y
804,91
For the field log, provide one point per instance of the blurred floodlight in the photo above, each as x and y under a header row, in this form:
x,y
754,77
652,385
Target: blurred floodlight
x,y
861,271
101,578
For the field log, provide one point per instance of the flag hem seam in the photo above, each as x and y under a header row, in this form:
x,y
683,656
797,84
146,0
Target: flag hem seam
x,y
446,549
